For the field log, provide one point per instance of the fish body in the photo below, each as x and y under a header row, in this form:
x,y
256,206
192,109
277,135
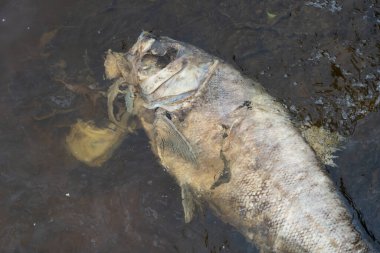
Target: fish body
x,y
229,144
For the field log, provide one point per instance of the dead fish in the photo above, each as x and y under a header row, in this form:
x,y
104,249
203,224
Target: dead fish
x,y
231,145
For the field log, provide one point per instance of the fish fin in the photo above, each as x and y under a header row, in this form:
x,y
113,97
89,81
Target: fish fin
x,y
323,142
168,138
188,202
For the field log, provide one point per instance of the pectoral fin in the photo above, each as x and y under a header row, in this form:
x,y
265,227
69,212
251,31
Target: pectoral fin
x,y
169,139
188,202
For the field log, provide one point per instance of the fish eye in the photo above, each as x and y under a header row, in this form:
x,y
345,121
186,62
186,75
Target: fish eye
x,y
157,48
168,57
160,61
163,61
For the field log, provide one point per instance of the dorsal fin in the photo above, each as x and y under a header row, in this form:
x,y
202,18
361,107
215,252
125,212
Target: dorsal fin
x,y
323,142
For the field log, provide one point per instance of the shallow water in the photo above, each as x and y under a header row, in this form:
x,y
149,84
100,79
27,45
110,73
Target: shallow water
x,y
320,57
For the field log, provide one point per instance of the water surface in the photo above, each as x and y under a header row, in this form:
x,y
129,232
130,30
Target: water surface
x,y
319,57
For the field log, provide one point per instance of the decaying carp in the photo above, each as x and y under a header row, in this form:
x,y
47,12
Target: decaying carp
x,y
229,144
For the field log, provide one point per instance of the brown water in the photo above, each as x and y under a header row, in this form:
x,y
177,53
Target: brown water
x,y
320,57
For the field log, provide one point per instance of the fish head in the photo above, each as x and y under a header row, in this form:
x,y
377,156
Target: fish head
x,y
163,70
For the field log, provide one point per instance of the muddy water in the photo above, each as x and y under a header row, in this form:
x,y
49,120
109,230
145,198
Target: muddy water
x,y
320,57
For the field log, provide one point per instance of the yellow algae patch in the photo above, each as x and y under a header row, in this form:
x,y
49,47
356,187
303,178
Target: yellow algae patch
x,y
93,145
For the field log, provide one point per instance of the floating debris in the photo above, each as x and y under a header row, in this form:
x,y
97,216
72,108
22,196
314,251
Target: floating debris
x,y
64,100
271,15
319,101
344,115
359,85
47,37
332,6
377,102
370,76
317,55
93,145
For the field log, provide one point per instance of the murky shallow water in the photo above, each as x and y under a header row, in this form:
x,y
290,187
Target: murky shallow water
x,y
320,57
